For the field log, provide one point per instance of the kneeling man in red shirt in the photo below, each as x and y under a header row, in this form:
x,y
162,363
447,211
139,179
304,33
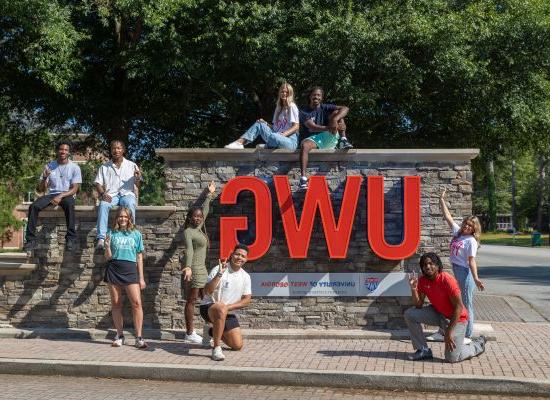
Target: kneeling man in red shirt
x,y
446,311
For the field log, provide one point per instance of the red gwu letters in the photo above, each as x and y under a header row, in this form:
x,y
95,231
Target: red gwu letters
x,y
298,234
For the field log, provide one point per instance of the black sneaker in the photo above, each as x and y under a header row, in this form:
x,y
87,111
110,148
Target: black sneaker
x,y
70,245
30,246
303,183
421,354
344,144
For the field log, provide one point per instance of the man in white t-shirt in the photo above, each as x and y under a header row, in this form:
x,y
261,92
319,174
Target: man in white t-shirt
x,y
115,183
229,288
61,178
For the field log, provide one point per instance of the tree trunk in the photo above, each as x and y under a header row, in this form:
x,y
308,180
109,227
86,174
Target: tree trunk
x,y
491,195
514,195
543,161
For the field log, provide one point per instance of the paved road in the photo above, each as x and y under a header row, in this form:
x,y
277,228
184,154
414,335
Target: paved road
x,y
15,387
517,271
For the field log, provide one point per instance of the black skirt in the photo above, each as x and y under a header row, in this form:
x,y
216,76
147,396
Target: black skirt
x,y
121,272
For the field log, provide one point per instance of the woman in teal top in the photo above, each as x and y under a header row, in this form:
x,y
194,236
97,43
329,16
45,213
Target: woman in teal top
x,y
124,252
194,263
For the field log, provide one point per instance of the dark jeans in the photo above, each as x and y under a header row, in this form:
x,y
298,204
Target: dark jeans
x,y
67,204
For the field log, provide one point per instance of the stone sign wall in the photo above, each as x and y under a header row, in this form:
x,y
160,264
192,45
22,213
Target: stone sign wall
x,y
66,290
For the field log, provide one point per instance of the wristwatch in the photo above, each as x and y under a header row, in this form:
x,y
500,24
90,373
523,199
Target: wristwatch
x,y
219,274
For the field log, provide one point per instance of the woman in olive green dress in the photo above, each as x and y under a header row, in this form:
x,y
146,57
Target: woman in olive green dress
x,y
194,263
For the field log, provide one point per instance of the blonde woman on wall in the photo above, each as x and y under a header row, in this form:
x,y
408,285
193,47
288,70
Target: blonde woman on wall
x,y
282,134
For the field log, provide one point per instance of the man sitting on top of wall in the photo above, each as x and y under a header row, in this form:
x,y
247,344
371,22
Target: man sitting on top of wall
x,y
115,183
321,127
62,178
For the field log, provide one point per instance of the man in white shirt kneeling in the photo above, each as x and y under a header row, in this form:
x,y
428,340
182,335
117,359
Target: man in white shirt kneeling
x,y
228,289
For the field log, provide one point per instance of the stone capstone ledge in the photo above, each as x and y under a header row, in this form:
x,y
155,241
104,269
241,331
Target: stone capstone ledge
x,y
15,264
147,211
354,155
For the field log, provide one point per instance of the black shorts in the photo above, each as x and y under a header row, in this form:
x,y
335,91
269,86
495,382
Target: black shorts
x,y
231,322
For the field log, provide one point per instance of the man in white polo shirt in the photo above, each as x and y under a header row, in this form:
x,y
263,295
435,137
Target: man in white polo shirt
x,y
62,178
228,289
115,183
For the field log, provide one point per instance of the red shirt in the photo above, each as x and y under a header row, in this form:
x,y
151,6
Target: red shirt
x,y
440,291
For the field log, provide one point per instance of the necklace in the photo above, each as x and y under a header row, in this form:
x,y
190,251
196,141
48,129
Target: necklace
x,y
62,171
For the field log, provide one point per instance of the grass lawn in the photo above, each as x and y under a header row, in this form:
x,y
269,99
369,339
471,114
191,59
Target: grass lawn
x,y
507,239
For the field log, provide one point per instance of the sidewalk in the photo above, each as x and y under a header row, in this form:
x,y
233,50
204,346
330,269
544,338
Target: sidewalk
x,y
517,361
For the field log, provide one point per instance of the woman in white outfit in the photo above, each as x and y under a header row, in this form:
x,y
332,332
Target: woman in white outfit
x,y
283,134
464,245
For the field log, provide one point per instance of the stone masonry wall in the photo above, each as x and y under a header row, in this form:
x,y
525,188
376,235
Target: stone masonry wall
x,y
67,290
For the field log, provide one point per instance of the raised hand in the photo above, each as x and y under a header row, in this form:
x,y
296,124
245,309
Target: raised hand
x,y
47,171
442,194
413,280
222,265
212,187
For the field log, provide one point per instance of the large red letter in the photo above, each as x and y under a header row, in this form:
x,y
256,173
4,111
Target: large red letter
x,y
230,225
317,196
411,218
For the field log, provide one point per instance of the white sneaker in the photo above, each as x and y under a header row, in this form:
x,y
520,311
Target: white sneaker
x,y
234,145
217,354
193,338
118,341
436,337
260,146
467,340
140,343
206,339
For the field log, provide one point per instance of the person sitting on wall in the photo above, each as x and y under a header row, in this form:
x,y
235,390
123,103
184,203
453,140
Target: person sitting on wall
x,y
319,128
283,133
115,182
446,311
229,288
62,178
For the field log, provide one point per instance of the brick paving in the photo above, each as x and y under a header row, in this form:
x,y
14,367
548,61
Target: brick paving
x,y
521,350
18,387
495,308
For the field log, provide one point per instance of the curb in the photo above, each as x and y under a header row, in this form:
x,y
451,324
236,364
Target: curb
x,y
280,377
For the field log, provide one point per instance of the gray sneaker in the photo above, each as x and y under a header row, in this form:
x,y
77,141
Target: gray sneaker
x,y
479,343
421,354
